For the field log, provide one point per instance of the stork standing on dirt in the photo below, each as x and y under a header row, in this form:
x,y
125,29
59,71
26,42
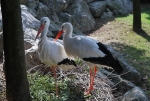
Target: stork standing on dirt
x,y
52,53
92,52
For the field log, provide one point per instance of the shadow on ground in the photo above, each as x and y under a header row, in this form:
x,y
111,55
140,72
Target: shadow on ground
x,y
143,34
136,57
146,9
76,93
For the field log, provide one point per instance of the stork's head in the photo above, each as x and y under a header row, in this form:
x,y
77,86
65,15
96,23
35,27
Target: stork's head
x,y
65,28
44,23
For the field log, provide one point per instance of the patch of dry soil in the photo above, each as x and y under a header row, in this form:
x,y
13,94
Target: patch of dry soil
x,y
106,31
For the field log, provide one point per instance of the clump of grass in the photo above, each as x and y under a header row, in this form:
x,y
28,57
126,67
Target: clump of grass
x,y
42,88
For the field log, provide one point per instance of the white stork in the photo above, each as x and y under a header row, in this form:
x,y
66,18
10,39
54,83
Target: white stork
x,y
52,53
92,52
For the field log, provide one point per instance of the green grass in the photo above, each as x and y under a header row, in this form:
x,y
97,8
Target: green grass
x,y
145,16
42,88
136,45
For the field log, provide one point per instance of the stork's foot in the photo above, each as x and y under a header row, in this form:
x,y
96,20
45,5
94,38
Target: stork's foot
x,y
88,92
92,76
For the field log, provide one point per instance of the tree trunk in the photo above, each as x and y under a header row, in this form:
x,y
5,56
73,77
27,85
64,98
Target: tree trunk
x,y
136,15
17,86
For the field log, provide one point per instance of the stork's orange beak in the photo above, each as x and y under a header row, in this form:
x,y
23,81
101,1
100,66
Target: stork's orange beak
x,y
39,31
58,35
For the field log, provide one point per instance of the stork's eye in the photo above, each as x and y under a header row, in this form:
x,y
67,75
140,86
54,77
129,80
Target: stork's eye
x,y
62,27
45,22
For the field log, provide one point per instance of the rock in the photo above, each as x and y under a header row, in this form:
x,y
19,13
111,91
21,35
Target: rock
x,y
88,1
108,81
77,32
107,14
116,13
97,8
135,94
108,10
129,72
121,84
56,5
33,4
29,21
42,11
65,17
80,11
53,28
23,7
31,48
122,6
29,34
29,38
32,57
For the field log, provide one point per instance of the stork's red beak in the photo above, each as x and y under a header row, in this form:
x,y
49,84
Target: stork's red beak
x,y
39,31
58,35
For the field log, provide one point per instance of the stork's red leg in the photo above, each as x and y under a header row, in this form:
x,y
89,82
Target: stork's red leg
x,y
90,88
55,76
95,70
92,76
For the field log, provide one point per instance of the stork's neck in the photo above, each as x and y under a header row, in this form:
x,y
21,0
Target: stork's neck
x,y
68,34
44,33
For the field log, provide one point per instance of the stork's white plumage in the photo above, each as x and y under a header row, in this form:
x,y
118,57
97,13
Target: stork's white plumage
x,y
52,53
92,52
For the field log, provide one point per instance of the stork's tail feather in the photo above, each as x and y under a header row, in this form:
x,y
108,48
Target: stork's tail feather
x,y
67,62
114,63
108,60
